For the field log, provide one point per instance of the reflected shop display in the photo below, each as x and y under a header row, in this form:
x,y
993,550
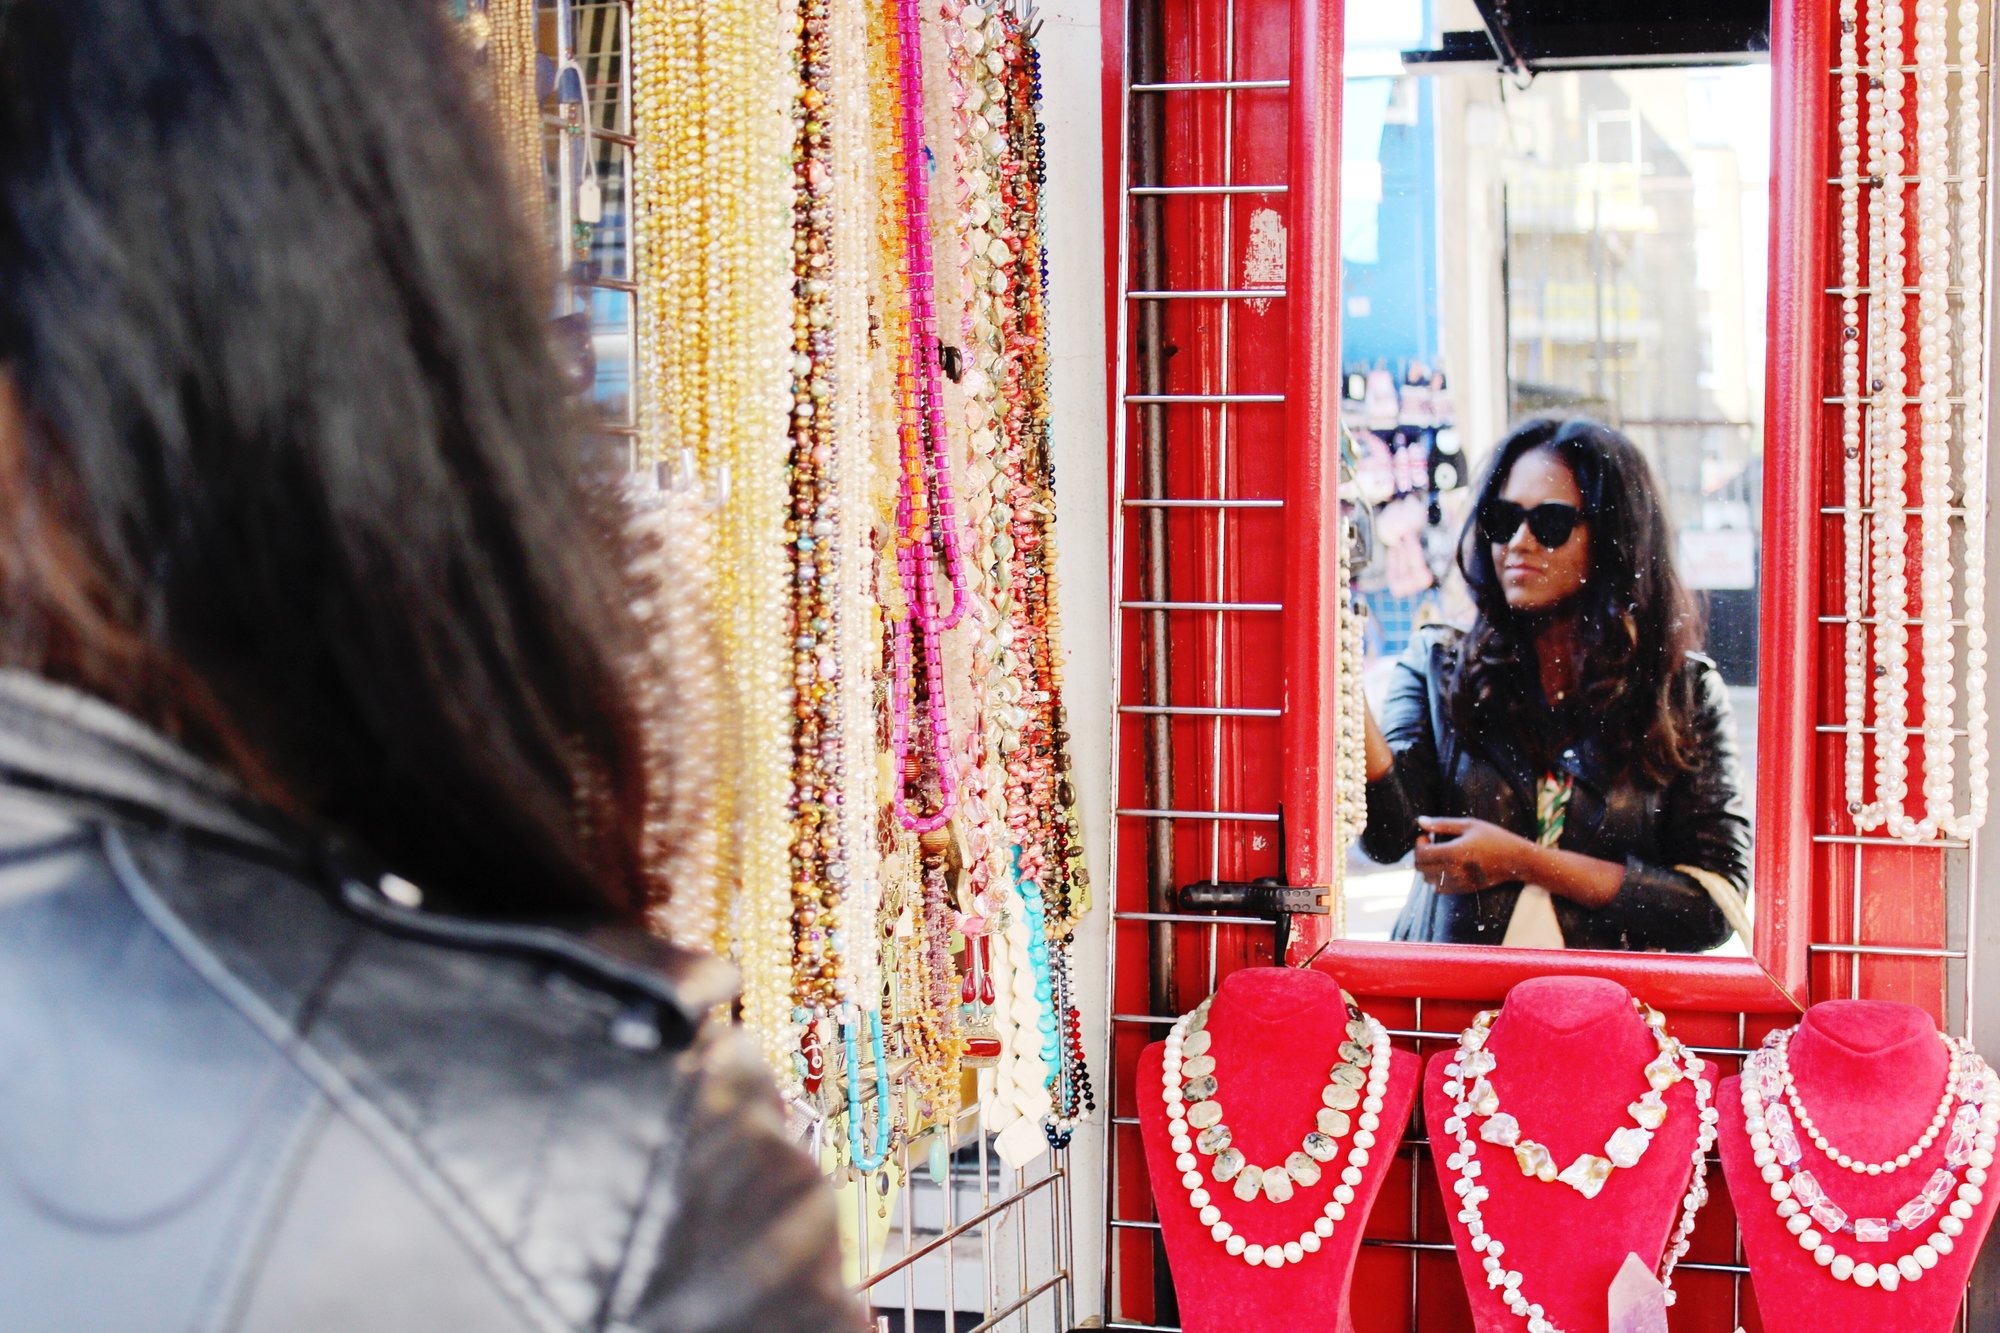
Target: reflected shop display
x,y
1552,328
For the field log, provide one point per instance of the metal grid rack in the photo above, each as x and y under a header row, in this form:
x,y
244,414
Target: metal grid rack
x,y
972,1245
1913,935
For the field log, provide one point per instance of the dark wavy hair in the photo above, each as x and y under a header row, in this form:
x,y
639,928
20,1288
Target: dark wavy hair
x,y
298,478
1636,623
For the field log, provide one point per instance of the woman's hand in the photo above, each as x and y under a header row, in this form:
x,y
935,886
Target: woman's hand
x,y
1467,855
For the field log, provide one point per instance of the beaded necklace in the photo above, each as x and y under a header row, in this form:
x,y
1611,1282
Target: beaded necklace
x,y
818,863
678,687
1353,1100
1465,1162
858,636
924,510
1770,1102
714,232
1059,861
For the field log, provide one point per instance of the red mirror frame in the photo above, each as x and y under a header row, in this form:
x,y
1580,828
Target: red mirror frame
x,y
1774,978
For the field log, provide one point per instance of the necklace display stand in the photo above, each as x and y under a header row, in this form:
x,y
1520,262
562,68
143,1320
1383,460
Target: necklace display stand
x,y
1870,1073
1570,1055
1276,1032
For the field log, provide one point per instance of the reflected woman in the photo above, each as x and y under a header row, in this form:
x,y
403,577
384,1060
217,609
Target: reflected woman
x,y
1566,769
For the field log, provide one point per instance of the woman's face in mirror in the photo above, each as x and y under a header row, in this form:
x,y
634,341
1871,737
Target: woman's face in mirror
x,y
1534,577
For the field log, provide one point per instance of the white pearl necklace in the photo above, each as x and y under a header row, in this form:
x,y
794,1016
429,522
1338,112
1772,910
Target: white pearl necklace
x,y
1854,646
1193,1026
1782,1044
1874,445
1972,386
1472,1194
1351,747
1814,1218
1587,1175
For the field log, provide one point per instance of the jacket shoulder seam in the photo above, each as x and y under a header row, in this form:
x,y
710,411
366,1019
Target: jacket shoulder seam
x,y
512,1283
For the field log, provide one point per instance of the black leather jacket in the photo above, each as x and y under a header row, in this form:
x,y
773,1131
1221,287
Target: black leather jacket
x,y
239,1091
1698,820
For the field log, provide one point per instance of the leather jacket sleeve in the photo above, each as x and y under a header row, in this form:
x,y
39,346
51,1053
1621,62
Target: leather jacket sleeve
x,y
1703,824
1410,788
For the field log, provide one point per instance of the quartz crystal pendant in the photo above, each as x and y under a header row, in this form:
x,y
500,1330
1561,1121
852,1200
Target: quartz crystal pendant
x,y
1472,1064
1196,1044
1302,1169
1340,1097
1535,1161
1277,1184
1830,1215
1939,1188
1586,1175
1197,1066
1964,1127
1482,1098
1650,1110
1214,1139
1915,1213
1871,1230
1663,1073
1502,1129
1199,1089
1249,1184
1321,1148
1806,1190
1784,1141
1203,1114
1228,1165
1628,1145
1332,1123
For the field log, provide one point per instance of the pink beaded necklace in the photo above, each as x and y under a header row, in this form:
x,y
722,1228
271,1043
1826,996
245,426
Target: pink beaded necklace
x,y
924,507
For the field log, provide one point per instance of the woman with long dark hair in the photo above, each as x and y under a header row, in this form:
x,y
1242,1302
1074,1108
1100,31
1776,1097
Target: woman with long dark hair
x,y
1566,769
324,1005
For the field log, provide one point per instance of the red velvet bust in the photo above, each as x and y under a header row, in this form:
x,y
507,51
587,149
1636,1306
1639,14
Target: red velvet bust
x,y
1871,1073
1571,1053
1277,1031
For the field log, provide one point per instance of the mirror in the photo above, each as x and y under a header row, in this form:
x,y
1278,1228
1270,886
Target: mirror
x,y
1553,341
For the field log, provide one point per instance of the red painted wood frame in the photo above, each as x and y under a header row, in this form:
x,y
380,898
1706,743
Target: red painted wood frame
x,y
1775,979
1273,672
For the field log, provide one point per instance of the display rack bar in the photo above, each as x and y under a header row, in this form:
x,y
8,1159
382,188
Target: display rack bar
x,y
1210,294
1884,951
1194,710
1190,919
1202,606
1226,816
1198,399
1860,840
1203,503
1213,86
1197,191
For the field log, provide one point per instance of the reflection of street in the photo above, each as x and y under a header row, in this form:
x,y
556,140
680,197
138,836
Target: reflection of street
x,y
1375,893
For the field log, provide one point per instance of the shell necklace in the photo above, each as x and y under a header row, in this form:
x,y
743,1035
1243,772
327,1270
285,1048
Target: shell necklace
x,y
1587,1174
1192,1095
1471,1194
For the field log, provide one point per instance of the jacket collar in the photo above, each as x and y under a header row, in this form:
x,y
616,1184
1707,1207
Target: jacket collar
x,y
59,741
